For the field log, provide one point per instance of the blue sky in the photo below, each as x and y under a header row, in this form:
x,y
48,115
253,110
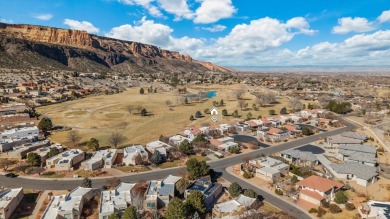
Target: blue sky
x,y
229,32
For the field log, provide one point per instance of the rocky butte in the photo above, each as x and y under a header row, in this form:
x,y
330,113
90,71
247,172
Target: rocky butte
x,y
47,47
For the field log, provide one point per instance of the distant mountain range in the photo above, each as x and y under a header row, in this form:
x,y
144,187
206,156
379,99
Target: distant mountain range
x,y
317,68
47,48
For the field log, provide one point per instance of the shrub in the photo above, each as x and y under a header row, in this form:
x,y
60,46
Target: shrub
x,y
313,210
235,190
321,212
350,206
294,179
334,209
340,197
278,192
247,175
325,204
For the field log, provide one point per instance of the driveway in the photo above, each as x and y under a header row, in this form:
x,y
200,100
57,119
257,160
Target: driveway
x,y
312,148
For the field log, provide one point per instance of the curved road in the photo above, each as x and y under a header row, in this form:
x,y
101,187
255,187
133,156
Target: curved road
x,y
218,166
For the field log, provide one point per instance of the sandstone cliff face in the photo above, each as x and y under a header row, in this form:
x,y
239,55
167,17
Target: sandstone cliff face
x,y
65,46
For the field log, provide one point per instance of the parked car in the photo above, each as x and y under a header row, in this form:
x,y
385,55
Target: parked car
x,y
11,175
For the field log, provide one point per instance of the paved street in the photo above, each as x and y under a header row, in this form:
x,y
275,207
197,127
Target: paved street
x,y
218,166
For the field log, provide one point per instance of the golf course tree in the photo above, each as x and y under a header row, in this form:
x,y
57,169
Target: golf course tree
x,y
141,91
45,124
93,144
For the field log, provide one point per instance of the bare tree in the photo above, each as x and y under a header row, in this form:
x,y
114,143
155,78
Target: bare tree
x,y
265,98
241,104
139,108
116,138
168,103
130,109
137,195
238,93
74,137
113,182
295,104
5,163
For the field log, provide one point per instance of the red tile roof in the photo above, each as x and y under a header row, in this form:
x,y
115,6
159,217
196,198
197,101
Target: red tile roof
x,y
312,194
215,142
195,130
319,183
274,131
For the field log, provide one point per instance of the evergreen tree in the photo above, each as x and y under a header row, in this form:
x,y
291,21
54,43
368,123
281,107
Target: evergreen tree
x,y
185,147
141,91
131,213
86,183
157,157
196,201
235,189
34,159
45,124
176,210
93,144
53,152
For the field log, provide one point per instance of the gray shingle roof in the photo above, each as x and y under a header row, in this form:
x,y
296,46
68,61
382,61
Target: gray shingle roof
x,y
361,171
302,155
359,148
339,139
354,135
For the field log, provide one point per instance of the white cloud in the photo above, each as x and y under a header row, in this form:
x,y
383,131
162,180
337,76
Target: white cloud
x,y
146,4
362,48
211,11
215,28
357,24
179,8
149,32
384,17
81,25
8,21
44,17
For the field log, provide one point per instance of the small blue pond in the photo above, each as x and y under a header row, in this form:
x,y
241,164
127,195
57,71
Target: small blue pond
x,y
211,94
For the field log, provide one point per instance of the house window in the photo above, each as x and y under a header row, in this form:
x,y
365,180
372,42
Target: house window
x,y
151,205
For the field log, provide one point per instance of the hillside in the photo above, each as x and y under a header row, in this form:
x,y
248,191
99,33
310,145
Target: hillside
x,y
46,48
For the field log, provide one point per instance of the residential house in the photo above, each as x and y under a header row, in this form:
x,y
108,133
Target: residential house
x,y
364,154
254,123
300,158
9,201
210,190
20,152
274,135
374,210
159,146
100,159
364,175
225,129
269,169
115,201
242,127
17,136
66,160
43,152
224,144
192,132
132,153
293,129
68,206
355,135
178,139
233,208
159,193
332,143
314,189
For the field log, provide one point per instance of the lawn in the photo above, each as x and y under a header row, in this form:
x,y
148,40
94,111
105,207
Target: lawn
x,y
127,169
199,158
98,116
268,207
54,175
175,163
84,173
